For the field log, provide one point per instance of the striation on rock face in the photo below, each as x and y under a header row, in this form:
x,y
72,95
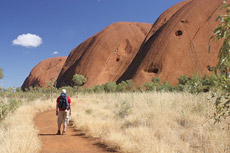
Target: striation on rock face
x,y
44,72
105,56
178,43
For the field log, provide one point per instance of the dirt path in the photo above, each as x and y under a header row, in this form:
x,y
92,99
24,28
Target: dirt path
x,y
73,142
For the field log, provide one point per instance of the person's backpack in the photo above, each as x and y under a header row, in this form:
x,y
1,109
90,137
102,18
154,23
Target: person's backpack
x,y
63,102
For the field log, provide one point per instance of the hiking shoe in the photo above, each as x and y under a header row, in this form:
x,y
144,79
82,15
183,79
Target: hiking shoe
x,y
63,133
58,133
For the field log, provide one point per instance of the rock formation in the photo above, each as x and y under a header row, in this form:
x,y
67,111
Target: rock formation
x,y
43,73
175,45
105,56
178,43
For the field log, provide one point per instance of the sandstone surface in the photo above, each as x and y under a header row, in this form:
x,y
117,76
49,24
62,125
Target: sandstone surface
x,y
175,45
44,72
178,43
105,56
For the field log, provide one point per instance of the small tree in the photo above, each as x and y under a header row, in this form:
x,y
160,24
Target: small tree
x,y
1,74
130,85
79,80
222,32
110,87
121,86
98,88
125,86
150,86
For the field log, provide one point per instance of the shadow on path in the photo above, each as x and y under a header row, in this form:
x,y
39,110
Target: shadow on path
x,y
46,134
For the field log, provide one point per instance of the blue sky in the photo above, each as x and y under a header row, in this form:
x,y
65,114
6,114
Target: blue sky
x,y
59,26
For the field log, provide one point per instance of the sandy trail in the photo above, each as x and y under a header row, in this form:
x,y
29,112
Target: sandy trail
x,y
72,142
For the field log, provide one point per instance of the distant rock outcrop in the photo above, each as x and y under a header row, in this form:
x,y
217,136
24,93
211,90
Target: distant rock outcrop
x,y
178,43
45,72
175,45
105,56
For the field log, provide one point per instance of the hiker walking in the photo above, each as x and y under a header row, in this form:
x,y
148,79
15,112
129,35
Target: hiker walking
x,y
63,111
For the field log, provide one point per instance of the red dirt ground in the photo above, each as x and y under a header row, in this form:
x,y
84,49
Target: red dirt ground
x,y
72,142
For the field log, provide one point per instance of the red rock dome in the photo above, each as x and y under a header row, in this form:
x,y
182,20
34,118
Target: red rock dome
x,y
45,72
178,43
105,56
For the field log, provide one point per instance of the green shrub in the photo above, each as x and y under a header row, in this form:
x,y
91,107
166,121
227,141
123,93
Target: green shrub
x,y
156,80
195,84
9,106
149,86
125,86
130,85
121,86
79,80
166,86
110,87
210,80
183,79
139,88
98,88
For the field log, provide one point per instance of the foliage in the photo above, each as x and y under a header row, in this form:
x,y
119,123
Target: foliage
x,y
149,86
156,85
222,32
95,89
1,74
121,86
79,80
130,85
195,84
139,88
183,79
156,80
10,105
110,87
168,87
125,86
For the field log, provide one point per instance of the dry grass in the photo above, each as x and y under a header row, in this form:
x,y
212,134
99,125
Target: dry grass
x,y
152,122
17,131
131,123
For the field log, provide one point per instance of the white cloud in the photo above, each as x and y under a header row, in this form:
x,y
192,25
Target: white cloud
x,y
55,52
28,40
